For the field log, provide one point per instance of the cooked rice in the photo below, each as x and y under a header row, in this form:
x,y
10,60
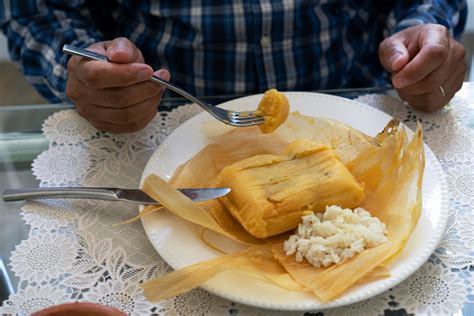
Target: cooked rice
x,y
334,236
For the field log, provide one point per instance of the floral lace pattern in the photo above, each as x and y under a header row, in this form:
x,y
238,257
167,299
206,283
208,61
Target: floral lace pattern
x,y
43,257
77,251
121,295
34,298
433,289
48,214
61,165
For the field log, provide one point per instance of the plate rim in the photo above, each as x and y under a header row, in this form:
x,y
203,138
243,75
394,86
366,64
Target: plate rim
x,y
382,285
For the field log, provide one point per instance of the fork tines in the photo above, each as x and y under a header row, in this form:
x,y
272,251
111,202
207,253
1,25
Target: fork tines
x,y
246,118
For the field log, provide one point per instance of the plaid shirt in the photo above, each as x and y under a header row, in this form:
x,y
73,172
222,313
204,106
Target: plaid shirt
x,y
223,47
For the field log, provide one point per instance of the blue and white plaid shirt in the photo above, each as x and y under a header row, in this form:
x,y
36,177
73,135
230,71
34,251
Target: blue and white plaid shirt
x,y
226,46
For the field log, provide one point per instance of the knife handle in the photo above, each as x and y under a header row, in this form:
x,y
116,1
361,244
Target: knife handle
x,y
58,192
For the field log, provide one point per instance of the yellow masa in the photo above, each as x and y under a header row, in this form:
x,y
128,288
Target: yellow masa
x,y
274,107
270,192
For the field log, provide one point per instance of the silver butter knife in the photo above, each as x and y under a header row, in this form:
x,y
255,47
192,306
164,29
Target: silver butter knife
x,y
107,194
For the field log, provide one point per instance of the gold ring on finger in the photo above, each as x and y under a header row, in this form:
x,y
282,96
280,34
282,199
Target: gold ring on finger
x,y
442,91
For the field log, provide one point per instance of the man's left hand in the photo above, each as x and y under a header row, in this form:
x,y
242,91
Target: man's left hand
x,y
426,63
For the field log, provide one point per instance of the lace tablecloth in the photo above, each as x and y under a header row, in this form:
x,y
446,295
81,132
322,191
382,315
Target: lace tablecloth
x,y
74,252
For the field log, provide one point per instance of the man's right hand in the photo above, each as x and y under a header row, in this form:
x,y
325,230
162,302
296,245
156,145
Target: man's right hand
x,y
114,97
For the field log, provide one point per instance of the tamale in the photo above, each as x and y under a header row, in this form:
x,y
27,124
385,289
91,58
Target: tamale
x,y
395,200
270,192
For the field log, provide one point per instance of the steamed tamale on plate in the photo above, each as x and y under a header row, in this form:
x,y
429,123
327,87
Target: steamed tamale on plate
x,y
182,244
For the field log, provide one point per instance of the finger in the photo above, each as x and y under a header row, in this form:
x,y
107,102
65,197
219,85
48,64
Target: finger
x,y
121,50
434,49
163,74
125,96
74,61
122,116
99,47
434,100
120,97
101,75
436,79
124,128
393,53
114,97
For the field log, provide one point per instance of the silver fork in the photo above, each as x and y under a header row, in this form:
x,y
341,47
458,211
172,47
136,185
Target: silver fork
x,y
239,119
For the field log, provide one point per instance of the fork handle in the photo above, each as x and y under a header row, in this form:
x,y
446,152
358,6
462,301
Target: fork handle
x,y
72,50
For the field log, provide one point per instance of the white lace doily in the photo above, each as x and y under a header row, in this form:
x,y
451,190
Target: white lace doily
x,y
74,252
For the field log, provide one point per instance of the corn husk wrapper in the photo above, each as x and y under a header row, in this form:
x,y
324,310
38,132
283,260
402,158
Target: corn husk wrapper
x,y
375,163
200,171
238,144
182,206
249,261
390,169
256,261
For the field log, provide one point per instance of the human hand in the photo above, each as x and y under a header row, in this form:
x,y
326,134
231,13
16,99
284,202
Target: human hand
x,y
426,63
114,97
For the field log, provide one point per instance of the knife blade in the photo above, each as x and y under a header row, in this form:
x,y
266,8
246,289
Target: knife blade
x,y
108,194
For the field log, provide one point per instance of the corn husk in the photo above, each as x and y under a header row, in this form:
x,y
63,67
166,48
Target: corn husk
x,y
249,261
200,171
378,273
257,262
241,143
150,209
375,163
183,207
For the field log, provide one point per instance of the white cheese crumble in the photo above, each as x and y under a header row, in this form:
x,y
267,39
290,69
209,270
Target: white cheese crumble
x,y
334,236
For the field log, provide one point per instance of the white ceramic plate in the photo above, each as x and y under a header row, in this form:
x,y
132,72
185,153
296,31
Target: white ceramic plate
x,y
179,244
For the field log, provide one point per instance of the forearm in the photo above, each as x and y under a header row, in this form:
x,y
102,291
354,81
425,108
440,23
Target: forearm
x,y
36,34
450,13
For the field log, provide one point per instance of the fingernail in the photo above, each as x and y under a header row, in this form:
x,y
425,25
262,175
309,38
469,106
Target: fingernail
x,y
400,83
145,73
396,56
163,74
114,51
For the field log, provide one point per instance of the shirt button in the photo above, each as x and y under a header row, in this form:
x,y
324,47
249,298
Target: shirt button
x,y
265,41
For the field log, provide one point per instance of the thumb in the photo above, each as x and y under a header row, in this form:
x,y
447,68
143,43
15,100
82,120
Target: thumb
x,y
122,51
393,54
163,74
